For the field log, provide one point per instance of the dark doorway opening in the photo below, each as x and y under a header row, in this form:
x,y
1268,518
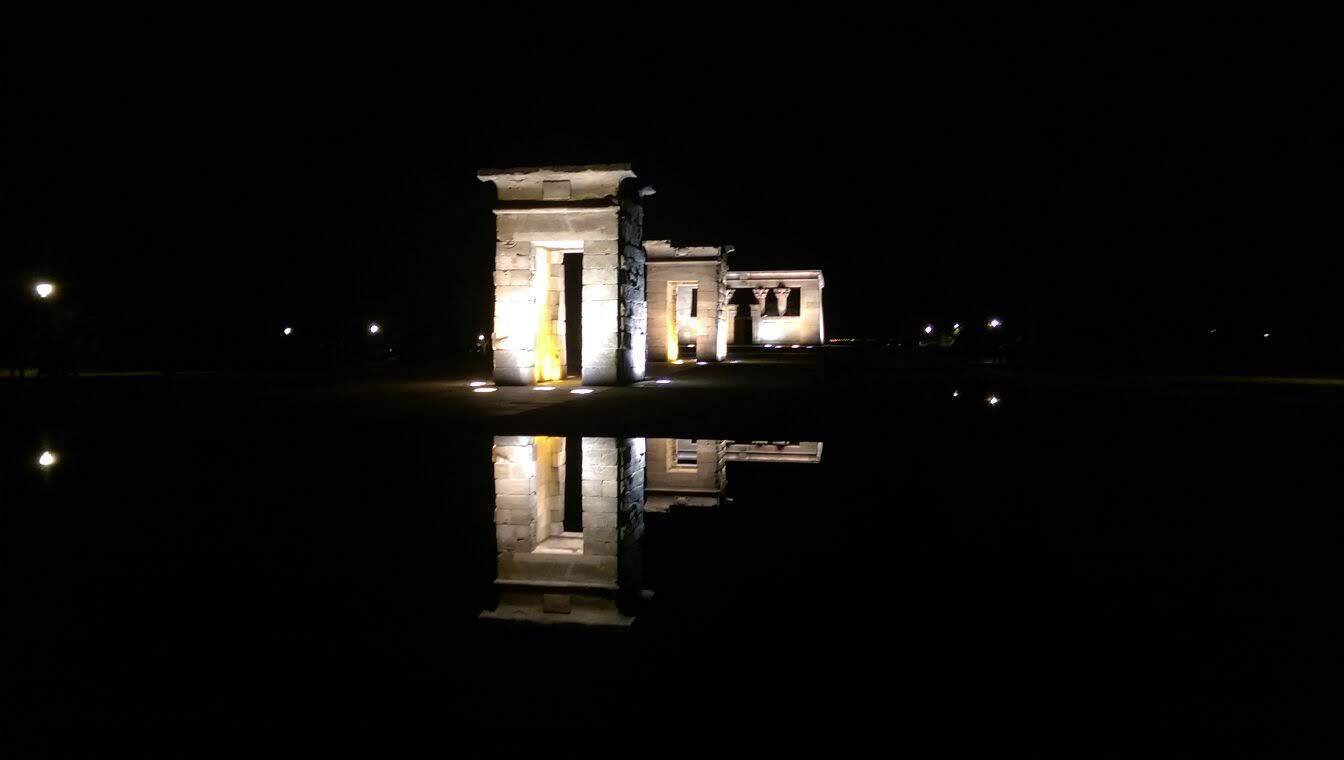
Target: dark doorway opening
x,y
574,484
574,314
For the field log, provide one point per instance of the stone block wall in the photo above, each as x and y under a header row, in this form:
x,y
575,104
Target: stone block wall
x,y
515,464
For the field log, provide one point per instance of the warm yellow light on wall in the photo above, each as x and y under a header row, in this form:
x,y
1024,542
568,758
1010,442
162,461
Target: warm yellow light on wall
x,y
548,366
673,348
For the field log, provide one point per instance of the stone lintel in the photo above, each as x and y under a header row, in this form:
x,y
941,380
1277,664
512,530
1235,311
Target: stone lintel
x,y
561,185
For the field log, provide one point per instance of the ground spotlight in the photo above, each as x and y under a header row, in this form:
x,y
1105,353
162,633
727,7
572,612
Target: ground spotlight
x,y
663,381
582,391
795,345
701,364
488,389
478,383
543,387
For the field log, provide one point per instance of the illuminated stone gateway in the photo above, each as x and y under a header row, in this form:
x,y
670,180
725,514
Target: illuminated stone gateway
x,y
562,231
575,285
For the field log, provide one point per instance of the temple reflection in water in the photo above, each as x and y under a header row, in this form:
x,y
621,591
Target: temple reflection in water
x,y
569,515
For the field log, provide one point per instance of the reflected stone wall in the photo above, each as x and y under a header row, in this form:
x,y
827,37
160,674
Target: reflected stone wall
x,y
545,573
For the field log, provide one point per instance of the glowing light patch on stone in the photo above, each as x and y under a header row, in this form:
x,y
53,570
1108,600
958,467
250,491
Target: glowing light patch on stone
x,y
47,459
44,289
582,391
548,345
478,383
484,390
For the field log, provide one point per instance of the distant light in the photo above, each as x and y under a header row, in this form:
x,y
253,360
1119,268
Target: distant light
x,y
543,387
956,394
1214,331
928,329
956,325
993,400
1266,335
994,323
47,459
480,337
44,289
478,383
490,389
701,364
663,381
289,331
374,328
582,391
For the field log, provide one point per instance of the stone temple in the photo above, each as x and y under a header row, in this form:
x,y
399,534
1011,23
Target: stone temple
x,y
578,291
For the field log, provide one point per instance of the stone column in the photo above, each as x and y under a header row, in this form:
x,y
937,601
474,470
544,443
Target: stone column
x,y
707,323
760,294
613,506
782,299
730,320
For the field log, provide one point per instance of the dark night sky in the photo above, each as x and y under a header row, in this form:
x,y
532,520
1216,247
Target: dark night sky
x,y
205,189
